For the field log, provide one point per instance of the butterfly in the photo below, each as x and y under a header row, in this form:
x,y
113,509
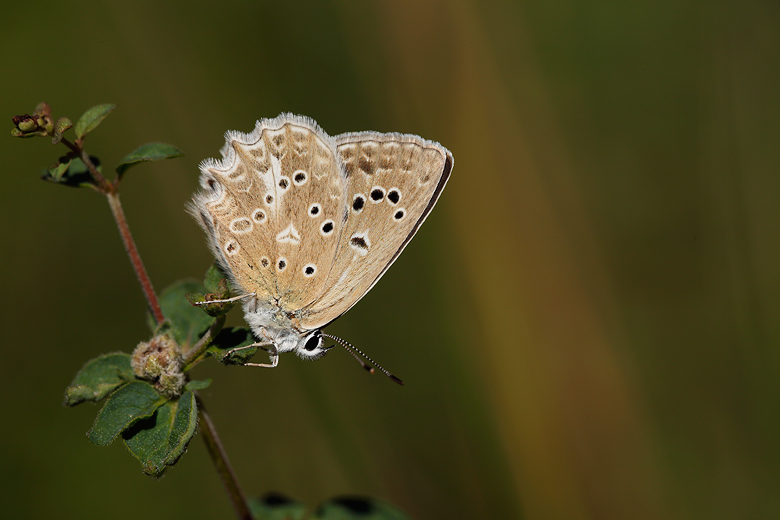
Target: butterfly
x,y
304,224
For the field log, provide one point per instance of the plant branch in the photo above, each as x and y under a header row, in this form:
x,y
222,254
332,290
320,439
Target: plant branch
x,y
192,354
224,469
104,185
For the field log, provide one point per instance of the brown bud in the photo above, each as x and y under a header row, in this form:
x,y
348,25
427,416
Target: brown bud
x,y
159,361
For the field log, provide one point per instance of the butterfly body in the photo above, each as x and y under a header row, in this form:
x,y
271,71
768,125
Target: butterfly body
x,y
277,326
304,224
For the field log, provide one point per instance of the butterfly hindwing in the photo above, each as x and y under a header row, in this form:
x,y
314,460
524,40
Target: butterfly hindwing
x,y
392,183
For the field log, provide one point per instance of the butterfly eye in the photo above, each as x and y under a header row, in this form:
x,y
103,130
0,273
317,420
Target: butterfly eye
x,y
313,342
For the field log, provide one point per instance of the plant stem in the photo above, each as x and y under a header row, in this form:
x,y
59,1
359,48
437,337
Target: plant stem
x,y
224,469
104,185
191,356
135,258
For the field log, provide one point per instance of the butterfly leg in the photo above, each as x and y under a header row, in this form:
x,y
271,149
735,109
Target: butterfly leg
x,y
228,300
265,345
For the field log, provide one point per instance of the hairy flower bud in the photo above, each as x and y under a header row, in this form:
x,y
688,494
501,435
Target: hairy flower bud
x,y
159,361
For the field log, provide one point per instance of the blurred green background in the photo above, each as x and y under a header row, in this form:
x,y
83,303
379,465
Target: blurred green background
x,y
587,323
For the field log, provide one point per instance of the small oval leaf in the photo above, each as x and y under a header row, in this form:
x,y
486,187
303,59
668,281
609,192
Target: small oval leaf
x,y
148,152
76,175
99,377
188,323
214,275
201,301
134,401
56,172
159,441
60,127
92,118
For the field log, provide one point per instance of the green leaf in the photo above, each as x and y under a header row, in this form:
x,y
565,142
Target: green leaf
x,y
213,276
60,127
76,175
99,377
159,441
213,309
198,385
56,172
231,338
91,118
132,402
358,508
216,283
188,323
148,152
275,506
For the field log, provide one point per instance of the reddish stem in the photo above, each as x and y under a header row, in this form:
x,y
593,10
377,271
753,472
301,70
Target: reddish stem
x,y
103,184
135,258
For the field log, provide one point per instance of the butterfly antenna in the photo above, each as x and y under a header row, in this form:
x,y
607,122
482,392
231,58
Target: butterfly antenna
x,y
355,351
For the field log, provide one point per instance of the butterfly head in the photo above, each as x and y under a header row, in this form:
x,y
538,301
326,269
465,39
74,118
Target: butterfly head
x,y
307,344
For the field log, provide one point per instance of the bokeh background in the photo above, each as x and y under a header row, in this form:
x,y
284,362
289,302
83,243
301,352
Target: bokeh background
x,y
587,323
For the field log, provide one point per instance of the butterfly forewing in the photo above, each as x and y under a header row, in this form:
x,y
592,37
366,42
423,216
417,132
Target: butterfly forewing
x,y
275,208
392,182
